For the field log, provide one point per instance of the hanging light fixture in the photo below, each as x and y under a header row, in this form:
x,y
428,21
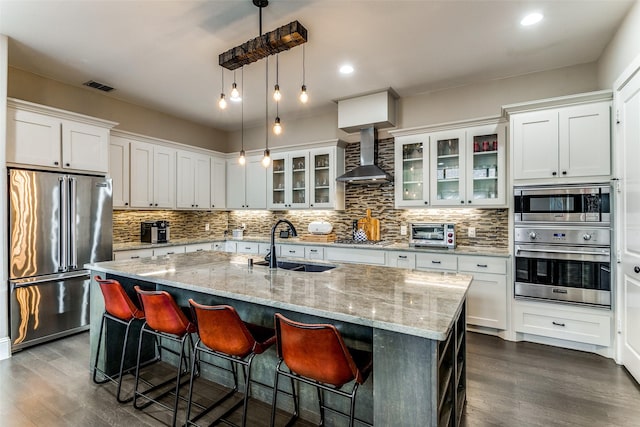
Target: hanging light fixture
x,y
242,159
222,103
266,159
304,97
235,95
276,89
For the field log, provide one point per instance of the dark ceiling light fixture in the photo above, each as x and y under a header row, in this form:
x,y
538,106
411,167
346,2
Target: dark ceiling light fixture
x,y
284,38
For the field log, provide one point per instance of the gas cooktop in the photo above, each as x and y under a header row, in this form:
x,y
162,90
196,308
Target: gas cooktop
x,y
366,242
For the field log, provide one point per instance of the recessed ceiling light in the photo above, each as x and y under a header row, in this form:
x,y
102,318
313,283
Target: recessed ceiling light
x,y
346,69
532,18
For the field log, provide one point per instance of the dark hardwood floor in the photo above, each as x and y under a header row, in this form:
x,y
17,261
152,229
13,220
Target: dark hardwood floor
x,y
509,384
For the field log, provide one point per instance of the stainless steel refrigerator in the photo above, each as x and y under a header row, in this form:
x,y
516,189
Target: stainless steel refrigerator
x,y
57,223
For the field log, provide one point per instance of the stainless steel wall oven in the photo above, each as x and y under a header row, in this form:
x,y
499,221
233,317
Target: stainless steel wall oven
x,y
562,244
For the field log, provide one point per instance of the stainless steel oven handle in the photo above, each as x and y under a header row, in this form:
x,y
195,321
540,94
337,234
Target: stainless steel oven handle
x,y
559,251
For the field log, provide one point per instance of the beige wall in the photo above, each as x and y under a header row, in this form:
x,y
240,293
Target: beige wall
x,y
132,118
623,48
482,99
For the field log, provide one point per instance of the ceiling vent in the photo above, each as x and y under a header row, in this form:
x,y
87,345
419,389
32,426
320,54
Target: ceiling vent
x,y
96,85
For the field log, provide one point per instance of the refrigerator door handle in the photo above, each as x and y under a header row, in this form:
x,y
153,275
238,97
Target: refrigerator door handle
x,y
23,283
73,247
64,232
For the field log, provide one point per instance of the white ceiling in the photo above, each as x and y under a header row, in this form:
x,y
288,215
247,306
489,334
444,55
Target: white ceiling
x,y
163,54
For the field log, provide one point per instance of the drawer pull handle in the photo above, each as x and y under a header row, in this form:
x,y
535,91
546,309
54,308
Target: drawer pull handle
x,y
482,265
247,248
558,324
559,291
170,253
199,250
402,256
135,256
436,262
313,250
292,252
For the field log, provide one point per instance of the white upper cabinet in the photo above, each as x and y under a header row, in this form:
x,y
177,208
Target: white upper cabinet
x,y
56,139
557,143
153,175
411,154
119,170
464,165
306,179
193,180
246,184
218,183
288,180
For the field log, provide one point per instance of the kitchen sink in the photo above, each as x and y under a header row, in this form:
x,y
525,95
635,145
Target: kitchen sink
x,y
299,266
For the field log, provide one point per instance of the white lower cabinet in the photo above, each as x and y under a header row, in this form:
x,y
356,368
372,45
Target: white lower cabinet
x,y
354,255
293,251
487,296
132,254
247,247
401,259
313,252
584,325
435,261
198,247
168,250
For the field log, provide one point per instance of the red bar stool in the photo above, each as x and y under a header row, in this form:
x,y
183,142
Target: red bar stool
x,y
317,355
165,321
118,308
223,334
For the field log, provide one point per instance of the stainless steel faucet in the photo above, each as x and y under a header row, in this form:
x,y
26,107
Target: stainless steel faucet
x,y
273,263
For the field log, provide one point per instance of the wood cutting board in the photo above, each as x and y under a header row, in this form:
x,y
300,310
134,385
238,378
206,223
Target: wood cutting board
x,y
371,226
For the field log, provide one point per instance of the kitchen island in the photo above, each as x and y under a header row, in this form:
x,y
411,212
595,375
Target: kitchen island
x,y
412,321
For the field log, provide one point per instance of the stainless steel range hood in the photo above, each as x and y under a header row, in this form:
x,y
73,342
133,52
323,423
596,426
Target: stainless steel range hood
x,y
368,172
366,113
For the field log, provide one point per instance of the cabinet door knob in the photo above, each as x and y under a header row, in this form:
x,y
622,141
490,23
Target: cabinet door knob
x,y
469,201
462,201
126,203
150,204
213,206
554,173
56,163
156,204
426,203
636,269
564,172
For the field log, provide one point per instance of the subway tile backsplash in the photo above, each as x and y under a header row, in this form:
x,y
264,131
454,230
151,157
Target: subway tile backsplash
x,y
491,224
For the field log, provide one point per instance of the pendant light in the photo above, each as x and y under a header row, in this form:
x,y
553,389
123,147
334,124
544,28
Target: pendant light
x,y
242,159
222,103
276,89
235,95
266,160
304,97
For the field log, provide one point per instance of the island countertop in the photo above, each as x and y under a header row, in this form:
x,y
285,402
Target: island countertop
x,y
418,303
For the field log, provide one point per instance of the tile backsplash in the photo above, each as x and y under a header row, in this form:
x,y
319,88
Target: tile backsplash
x,y
491,224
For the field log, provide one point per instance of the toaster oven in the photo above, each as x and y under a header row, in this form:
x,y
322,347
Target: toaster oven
x,y
433,235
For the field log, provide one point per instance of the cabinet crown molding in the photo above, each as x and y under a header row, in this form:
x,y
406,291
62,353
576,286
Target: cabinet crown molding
x,y
164,142
59,113
560,101
448,126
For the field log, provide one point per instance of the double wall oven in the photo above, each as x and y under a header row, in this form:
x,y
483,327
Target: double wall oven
x,y
562,243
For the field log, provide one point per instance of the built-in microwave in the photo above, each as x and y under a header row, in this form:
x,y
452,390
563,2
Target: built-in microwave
x,y
566,203
433,235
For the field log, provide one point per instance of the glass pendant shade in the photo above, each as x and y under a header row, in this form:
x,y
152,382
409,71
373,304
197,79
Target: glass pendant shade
x,y
266,160
223,102
277,96
304,97
242,159
277,127
235,94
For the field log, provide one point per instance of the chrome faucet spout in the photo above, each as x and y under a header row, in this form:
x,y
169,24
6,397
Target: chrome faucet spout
x,y
273,263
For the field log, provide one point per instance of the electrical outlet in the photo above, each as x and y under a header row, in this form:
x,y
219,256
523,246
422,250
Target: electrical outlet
x,y
403,230
206,227
471,232
244,226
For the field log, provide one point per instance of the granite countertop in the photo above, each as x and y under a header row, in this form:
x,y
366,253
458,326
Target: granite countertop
x,y
417,303
460,250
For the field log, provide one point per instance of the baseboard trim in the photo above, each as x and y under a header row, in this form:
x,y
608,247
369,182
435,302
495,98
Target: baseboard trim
x,y
5,348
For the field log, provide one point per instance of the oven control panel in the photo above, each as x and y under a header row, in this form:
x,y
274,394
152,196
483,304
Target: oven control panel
x,y
572,236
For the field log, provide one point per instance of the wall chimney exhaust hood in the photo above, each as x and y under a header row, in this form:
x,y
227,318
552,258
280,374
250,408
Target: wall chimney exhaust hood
x,y
365,114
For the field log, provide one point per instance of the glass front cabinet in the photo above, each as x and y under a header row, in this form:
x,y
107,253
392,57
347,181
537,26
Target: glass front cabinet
x,y
457,167
287,185
306,179
411,154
